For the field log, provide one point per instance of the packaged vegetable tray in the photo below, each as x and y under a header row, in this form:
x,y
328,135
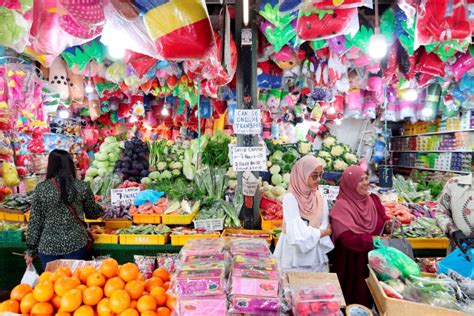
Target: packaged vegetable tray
x,y
247,233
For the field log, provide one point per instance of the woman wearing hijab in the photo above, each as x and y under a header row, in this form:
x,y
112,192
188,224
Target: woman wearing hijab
x,y
357,216
305,239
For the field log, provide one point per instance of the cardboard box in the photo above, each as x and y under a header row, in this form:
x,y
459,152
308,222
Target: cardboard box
x,y
388,306
302,279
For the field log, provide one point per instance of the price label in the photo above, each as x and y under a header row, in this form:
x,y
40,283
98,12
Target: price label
x,y
329,191
124,196
249,184
249,159
247,122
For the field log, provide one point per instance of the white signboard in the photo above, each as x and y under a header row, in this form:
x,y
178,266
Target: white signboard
x,y
329,191
124,196
249,158
247,122
249,183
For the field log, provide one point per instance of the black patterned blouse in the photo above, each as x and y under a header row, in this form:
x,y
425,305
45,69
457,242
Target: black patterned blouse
x,y
52,229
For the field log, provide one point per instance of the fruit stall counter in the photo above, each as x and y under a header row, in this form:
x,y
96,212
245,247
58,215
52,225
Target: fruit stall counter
x,y
15,265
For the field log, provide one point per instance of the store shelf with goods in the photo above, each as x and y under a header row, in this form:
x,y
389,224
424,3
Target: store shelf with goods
x,y
436,133
433,151
428,169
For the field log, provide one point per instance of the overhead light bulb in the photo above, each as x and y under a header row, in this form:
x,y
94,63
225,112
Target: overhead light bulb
x,y
64,114
331,110
89,88
410,94
377,46
427,112
164,111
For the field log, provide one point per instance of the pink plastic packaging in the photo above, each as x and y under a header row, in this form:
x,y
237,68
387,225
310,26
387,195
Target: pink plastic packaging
x,y
255,283
322,299
255,305
249,247
205,246
200,282
203,306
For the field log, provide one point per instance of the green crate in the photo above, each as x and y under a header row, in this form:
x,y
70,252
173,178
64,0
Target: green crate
x,y
14,236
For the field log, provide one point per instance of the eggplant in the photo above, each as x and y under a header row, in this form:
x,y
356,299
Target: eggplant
x,y
126,165
144,173
134,172
132,179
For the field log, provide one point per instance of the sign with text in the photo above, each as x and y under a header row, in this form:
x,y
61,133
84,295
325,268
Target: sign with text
x,y
247,122
329,191
249,184
249,159
124,196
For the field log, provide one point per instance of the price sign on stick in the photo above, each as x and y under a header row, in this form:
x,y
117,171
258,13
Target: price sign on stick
x,y
249,183
329,191
249,159
124,196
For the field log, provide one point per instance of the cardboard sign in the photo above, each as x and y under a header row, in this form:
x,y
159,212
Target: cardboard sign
x,y
124,196
249,184
247,122
329,191
249,159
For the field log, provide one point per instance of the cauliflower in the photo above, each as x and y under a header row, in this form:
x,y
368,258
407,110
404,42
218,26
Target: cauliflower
x,y
324,154
329,141
350,158
161,166
337,151
339,165
175,172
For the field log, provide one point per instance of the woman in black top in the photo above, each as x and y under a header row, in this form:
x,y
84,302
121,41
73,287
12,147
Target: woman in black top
x,y
53,231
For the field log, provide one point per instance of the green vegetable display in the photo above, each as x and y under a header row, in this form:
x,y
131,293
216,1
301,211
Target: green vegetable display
x,y
145,230
423,227
20,201
105,159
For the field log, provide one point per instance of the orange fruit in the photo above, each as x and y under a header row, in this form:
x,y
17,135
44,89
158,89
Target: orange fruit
x,y
112,285
81,287
42,308
84,273
96,279
10,306
146,303
171,302
63,314
119,301
163,311
71,300
159,294
162,274
153,282
84,311
64,284
135,289
148,313
45,276
166,285
103,308
133,304
43,292
128,272
109,267
141,277
65,270
130,312
20,291
56,302
27,303
92,295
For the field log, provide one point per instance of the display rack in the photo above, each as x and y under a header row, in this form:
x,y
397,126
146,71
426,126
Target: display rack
x,y
435,133
429,169
432,151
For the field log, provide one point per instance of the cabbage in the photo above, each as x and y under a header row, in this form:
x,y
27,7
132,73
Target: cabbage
x,y
176,165
176,172
188,170
113,157
101,156
278,191
277,179
275,169
102,172
92,172
146,181
88,179
286,178
161,166
155,175
269,163
110,139
166,174
277,156
101,164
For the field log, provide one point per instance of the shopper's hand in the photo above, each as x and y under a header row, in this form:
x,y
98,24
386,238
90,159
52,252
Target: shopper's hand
x,y
459,238
327,231
29,260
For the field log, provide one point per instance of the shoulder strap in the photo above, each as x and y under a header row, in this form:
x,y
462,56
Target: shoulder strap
x,y
70,208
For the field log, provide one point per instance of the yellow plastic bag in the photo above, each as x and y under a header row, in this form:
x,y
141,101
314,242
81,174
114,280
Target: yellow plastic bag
x,y
10,175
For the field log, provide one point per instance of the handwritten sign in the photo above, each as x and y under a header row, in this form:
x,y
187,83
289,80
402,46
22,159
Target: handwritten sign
x,y
329,191
247,122
249,158
249,183
124,196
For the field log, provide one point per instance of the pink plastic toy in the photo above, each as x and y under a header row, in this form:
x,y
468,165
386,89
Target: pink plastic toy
x,y
463,64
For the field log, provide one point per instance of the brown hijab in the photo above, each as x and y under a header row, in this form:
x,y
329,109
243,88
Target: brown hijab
x,y
352,211
309,201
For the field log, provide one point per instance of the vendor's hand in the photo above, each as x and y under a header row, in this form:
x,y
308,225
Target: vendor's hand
x,y
459,238
29,260
327,231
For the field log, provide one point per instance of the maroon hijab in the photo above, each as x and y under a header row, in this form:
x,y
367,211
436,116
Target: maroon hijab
x,y
352,211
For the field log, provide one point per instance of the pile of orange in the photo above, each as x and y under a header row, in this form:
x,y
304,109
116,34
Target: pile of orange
x,y
110,290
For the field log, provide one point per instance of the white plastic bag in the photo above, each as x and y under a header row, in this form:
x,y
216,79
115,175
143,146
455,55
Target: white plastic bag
x,y
30,277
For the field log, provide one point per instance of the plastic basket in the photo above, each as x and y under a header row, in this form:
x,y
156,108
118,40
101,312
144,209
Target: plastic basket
x,y
178,219
117,223
270,224
97,220
2,216
180,240
143,239
14,236
27,216
209,224
106,239
14,217
247,233
146,219
267,202
429,243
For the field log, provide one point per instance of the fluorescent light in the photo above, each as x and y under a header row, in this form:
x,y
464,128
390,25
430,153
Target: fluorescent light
x,y
410,94
377,46
427,112
164,111
246,12
64,114
89,88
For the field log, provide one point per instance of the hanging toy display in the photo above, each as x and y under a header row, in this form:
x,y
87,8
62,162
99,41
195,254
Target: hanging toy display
x,y
433,95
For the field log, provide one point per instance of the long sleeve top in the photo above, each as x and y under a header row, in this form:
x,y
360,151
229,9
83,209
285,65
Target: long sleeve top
x,y
301,247
52,229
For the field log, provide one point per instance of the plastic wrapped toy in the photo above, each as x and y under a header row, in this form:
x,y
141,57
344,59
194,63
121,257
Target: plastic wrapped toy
x,y
180,29
464,63
13,29
82,19
10,175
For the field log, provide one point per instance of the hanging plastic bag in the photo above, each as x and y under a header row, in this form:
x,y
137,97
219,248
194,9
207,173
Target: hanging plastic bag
x,y
10,175
13,29
30,276
459,262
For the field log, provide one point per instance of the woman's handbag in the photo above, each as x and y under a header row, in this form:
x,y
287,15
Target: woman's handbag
x,y
90,237
401,244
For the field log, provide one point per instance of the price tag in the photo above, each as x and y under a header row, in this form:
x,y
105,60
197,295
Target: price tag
x,y
247,122
249,159
249,183
329,191
124,196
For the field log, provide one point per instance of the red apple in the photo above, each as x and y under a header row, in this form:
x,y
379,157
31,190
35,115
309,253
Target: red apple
x,y
333,306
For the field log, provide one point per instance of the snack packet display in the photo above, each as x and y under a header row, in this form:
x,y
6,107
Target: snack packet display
x,y
146,265
206,246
